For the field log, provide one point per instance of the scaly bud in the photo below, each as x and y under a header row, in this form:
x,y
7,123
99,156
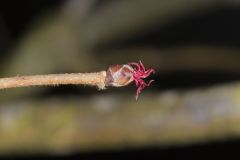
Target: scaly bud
x,y
122,75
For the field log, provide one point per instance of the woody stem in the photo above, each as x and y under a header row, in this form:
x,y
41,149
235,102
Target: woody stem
x,y
93,79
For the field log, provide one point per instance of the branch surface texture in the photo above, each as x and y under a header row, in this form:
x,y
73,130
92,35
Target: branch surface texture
x,y
94,79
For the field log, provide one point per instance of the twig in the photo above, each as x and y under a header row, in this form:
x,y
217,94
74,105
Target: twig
x,y
94,79
116,76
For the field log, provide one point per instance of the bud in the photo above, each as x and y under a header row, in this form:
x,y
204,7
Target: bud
x,y
122,75
119,75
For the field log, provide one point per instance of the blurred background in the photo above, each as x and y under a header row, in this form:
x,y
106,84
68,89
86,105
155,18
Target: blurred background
x,y
192,108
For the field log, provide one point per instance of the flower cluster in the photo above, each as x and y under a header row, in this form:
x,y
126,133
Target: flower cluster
x,y
140,72
122,75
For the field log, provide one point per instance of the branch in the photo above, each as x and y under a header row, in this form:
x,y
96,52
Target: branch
x,y
93,79
116,76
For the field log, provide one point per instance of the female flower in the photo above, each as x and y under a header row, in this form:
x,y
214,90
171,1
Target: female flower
x,y
122,75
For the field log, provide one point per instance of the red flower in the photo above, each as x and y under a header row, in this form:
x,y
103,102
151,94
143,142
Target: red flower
x,y
139,73
122,75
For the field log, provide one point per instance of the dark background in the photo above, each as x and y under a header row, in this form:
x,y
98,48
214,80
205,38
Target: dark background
x,y
219,27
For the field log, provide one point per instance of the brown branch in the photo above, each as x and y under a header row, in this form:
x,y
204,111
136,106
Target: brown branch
x,y
116,76
93,79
